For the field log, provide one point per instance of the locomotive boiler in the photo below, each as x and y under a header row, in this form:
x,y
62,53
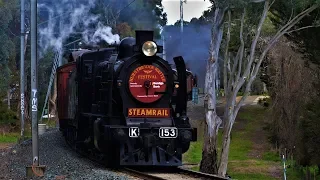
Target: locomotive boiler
x,y
126,103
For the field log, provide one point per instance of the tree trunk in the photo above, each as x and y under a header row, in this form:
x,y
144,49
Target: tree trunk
x,y
9,98
209,162
223,166
209,153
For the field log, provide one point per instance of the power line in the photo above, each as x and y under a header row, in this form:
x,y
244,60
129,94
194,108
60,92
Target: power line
x,y
55,17
126,6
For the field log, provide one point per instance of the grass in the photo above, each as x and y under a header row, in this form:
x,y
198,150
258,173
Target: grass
x,y
194,153
251,176
9,138
270,156
13,137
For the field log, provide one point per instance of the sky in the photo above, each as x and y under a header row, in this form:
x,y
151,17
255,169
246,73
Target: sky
x,y
191,9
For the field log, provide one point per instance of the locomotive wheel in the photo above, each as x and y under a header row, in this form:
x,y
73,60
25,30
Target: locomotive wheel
x,y
71,134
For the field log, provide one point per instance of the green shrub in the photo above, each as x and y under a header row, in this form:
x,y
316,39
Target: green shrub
x,y
265,102
7,117
240,94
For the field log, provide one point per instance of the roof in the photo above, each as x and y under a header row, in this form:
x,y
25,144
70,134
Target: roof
x,y
73,56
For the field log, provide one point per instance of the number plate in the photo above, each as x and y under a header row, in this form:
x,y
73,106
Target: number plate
x,y
168,132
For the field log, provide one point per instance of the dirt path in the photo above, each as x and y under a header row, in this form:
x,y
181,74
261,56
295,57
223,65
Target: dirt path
x,y
5,145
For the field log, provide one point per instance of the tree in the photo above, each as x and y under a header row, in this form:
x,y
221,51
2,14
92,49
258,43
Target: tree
x,y
305,36
209,162
178,23
306,33
239,71
8,31
124,30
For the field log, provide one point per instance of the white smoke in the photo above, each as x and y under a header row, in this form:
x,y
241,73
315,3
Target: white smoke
x,y
102,33
71,18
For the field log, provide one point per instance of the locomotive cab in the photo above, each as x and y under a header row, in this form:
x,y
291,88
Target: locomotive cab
x,y
120,103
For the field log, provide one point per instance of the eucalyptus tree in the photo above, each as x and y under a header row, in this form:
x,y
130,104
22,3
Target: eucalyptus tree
x,y
7,46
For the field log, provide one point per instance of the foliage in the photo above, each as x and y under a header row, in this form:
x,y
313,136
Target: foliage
x,y
7,116
289,82
309,152
306,38
124,30
265,102
7,47
142,14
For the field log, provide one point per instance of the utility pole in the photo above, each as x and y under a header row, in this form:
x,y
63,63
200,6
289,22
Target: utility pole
x,y
22,46
181,20
35,169
34,81
164,47
181,16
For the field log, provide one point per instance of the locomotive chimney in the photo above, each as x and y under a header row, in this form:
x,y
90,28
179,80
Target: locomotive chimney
x,y
143,36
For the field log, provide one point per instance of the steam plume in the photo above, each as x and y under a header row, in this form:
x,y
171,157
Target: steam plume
x,y
71,17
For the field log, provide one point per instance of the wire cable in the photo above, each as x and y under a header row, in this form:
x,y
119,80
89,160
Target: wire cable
x,y
126,6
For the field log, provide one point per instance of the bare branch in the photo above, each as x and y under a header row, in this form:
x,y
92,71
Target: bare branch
x,y
302,28
255,41
291,11
257,1
225,74
241,45
295,20
280,33
235,76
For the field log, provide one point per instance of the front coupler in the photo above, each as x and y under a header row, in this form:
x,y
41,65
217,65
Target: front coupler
x,y
143,146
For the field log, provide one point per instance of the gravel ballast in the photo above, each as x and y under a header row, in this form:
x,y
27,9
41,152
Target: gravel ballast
x,y
61,161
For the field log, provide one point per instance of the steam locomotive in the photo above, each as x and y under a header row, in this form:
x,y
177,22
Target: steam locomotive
x,y
126,103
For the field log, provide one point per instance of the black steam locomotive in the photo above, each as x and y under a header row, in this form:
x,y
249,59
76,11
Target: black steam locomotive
x,y
127,103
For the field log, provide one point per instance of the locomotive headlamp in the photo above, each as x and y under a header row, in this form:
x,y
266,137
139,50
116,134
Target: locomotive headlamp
x,y
149,48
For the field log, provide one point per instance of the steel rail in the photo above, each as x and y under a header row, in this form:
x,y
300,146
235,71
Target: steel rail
x,y
201,174
143,175
176,171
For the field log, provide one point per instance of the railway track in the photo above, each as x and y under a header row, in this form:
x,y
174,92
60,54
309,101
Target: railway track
x,y
151,173
169,173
